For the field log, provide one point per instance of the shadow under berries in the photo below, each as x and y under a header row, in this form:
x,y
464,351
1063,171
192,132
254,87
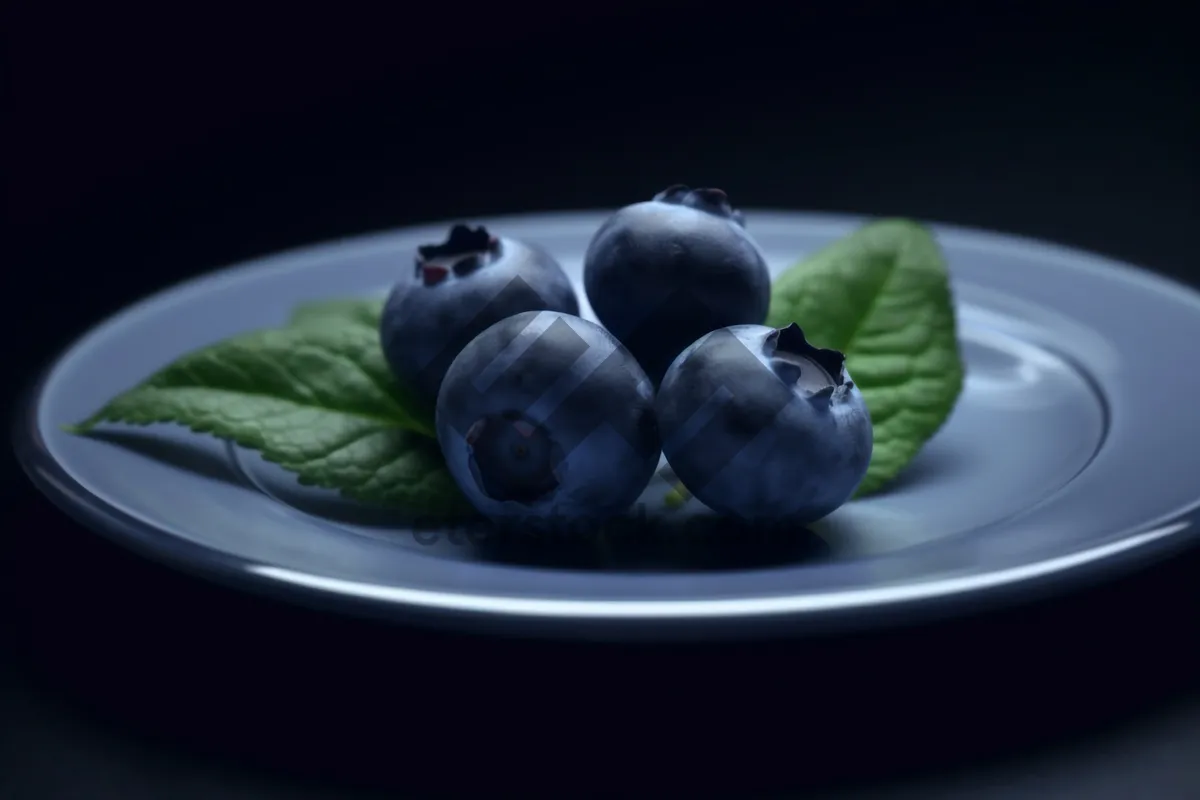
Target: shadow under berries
x,y
639,544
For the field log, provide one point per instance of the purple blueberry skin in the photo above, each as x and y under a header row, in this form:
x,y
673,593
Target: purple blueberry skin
x,y
759,424
455,292
663,273
545,416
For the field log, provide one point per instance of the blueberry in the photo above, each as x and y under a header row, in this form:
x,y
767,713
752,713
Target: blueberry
x,y
546,416
759,424
455,291
661,274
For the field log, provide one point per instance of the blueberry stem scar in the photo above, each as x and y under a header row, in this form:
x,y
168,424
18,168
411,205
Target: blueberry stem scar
x,y
791,340
462,240
433,274
713,201
465,249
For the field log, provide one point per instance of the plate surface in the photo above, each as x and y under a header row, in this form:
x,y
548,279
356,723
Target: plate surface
x,y
1073,449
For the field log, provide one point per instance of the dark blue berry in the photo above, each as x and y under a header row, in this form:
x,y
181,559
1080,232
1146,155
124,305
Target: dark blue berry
x,y
456,290
663,273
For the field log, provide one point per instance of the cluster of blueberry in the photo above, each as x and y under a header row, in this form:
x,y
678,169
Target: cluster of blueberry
x,y
540,413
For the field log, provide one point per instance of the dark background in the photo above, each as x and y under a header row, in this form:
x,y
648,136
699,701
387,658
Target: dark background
x,y
149,142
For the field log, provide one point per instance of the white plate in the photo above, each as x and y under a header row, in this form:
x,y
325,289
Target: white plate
x,y
1075,447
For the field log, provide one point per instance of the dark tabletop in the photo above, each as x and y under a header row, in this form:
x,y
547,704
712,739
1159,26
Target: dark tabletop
x,y
152,145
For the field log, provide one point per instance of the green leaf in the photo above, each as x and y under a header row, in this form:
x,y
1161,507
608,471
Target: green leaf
x,y
882,296
358,311
317,399
676,496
